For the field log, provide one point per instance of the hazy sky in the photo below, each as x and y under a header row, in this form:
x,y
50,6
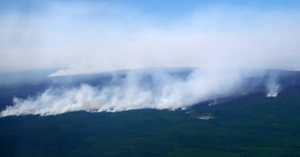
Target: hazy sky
x,y
94,36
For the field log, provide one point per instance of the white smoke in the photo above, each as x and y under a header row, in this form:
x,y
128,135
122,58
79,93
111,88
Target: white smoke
x,y
273,87
165,92
92,37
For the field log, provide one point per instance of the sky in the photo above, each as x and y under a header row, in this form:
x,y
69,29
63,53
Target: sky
x,y
82,37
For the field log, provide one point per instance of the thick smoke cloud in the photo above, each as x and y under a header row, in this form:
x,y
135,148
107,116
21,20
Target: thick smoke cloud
x,y
139,90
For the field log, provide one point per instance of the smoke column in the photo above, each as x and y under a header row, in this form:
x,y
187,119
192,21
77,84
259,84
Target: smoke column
x,y
273,87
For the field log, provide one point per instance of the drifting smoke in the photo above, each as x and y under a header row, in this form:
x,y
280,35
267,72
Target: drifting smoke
x,y
91,38
139,90
273,87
